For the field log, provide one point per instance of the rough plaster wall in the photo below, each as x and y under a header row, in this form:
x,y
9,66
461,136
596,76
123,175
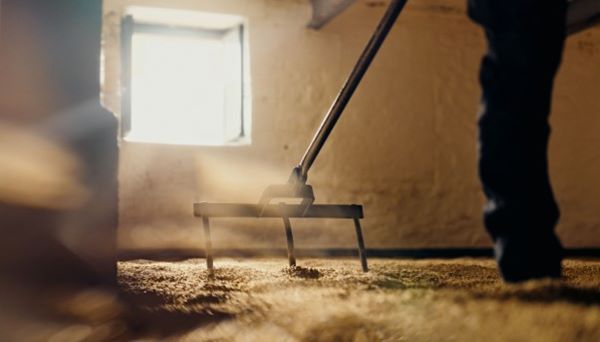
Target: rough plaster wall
x,y
405,148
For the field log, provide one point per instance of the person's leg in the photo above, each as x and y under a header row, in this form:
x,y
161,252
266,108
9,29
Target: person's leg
x,y
525,43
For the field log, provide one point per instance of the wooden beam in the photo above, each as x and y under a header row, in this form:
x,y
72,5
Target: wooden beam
x,y
582,15
325,10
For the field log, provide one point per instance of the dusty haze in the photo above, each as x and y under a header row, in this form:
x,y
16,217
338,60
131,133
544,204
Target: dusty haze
x,y
405,148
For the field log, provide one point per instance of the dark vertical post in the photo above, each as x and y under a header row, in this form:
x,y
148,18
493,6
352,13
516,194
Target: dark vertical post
x,y
361,245
288,234
208,244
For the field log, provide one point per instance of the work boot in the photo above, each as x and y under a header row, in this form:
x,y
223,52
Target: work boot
x,y
524,258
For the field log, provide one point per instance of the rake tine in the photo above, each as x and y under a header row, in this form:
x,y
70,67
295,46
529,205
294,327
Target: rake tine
x,y
208,245
288,234
361,245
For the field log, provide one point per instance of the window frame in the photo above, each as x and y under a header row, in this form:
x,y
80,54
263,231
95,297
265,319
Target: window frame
x,y
129,27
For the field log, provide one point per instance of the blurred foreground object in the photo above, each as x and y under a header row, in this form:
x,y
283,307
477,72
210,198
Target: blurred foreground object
x,y
38,173
58,154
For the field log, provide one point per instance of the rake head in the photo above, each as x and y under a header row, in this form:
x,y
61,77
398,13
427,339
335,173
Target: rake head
x,y
296,191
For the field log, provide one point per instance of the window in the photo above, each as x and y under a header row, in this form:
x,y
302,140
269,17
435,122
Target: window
x,y
184,78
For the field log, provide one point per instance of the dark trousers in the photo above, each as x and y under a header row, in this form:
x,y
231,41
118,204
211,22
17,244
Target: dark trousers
x,y
525,43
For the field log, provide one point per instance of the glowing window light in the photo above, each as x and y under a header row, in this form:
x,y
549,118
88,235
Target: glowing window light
x,y
187,86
